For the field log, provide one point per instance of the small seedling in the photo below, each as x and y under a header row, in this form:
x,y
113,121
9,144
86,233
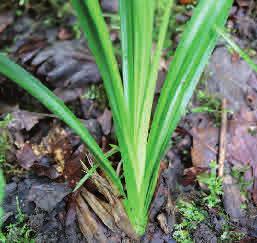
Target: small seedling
x,y
192,217
214,184
208,104
18,232
4,141
239,175
4,146
230,235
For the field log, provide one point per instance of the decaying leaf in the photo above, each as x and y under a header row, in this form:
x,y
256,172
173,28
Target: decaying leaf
x,y
204,146
6,19
26,157
232,198
63,64
46,196
102,209
73,166
108,207
105,121
89,225
241,144
243,3
24,120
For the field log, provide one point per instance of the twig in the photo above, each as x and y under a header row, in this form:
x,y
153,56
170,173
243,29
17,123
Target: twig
x,y
223,137
118,170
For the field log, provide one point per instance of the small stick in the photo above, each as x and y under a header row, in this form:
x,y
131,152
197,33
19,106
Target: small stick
x,y
223,137
118,170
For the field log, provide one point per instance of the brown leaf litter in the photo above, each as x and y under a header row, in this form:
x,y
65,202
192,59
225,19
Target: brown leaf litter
x,y
107,206
6,19
241,143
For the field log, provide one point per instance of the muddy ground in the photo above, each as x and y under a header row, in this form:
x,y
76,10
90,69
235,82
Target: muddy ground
x,y
43,159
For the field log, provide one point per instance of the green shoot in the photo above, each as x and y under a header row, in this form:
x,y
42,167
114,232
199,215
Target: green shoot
x,y
92,170
235,47
208,104
192,216
214,184
4,146
239,175
89,173
143,136
19,231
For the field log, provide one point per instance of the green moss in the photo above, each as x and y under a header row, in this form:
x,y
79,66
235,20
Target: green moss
x,y
18,232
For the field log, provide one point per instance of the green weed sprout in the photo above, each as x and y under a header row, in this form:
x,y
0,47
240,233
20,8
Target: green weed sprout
x,y
4,146
214,184
192,217
142,141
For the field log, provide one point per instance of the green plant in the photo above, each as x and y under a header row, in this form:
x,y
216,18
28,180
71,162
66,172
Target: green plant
x,y
225,35
95,92
18,232
239,175
192,216
4,146
92,170
131,98
229,231
214,184
208,104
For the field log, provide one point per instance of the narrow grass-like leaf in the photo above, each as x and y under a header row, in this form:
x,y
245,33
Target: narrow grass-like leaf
x,y
146,108
89,173
192,54
223,33
92,170
92,22
56,105
127,37
136,38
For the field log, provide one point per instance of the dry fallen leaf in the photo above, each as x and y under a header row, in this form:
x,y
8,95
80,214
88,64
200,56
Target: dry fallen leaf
x,y
108,207
24,120
64,64
241,144
105,121
6,19
204,148
47,196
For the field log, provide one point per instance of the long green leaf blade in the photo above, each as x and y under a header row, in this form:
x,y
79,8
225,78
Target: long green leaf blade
x,y
222,32
56,105
92,22
146,108
191,56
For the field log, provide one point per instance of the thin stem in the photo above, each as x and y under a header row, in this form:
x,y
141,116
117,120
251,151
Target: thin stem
x,y
222,32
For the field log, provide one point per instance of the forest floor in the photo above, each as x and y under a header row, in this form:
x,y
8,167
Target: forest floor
x,y
44,159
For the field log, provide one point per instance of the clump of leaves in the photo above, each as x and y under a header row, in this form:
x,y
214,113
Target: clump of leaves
x,y
208,104
160,9
4,143
142,141
4,146
214,184
96,92
238,173
192,217
230,235
19,231
193,214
